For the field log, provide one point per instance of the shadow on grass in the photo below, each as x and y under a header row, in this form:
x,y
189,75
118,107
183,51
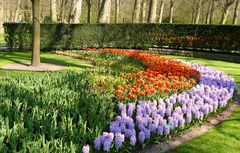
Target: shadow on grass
x,y
65,61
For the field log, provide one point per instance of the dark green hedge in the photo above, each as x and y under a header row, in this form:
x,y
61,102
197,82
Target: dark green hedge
x,y
141,36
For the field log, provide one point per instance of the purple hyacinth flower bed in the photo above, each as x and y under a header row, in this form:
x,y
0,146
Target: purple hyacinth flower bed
x,y
138,123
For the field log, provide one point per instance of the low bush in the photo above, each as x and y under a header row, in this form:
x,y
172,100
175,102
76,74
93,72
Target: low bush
x,y
140,36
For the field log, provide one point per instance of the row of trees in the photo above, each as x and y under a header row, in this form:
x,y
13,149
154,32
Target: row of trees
x,y
105,11
136,11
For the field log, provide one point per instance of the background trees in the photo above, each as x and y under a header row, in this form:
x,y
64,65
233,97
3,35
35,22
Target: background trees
x,y
128,11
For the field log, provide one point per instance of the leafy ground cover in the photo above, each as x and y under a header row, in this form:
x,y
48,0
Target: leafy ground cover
x,y
85,104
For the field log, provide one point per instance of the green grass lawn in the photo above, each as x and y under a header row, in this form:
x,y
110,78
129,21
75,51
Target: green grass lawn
x,y
1,37
18,57
2,40
224,138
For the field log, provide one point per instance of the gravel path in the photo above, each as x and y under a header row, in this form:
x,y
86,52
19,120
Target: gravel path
x,y
28,67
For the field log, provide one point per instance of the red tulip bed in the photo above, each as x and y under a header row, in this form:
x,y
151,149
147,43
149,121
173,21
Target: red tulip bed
x,y
162,76
161,98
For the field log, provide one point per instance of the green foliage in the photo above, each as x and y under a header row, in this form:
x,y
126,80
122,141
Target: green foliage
x,y
53,112
140,36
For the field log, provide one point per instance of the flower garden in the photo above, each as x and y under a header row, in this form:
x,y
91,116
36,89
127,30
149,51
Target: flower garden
x,y
119,100
126,100
161,97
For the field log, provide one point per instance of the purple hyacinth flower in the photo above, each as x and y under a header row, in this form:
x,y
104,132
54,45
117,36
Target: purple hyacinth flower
x,y
97,143
119,139
141,136
86,149
129,133
160,130
166,130
168,112
114,127
147,133
107,145
133,140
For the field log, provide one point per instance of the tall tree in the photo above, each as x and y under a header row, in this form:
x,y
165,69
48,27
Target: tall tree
x,y
226,6
143,12
36,33
89,14
193,11
27,15
99,3
197,12
137,11
109,11
103,16
63,4
210,11
161,10
18,12
117,8
171,11
53,10
75,12
236,13
152,11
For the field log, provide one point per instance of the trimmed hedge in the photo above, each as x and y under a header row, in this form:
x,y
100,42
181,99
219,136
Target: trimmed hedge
x,y
140,36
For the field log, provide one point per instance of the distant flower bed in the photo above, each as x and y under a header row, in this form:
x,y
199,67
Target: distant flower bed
x,y
142,121
161,78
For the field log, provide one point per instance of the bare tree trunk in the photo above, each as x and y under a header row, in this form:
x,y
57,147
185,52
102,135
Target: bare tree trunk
x,y
152,11
42,15
226,7
161,11
143,12
103,16
62,16
137,11
171,11
209,11
89,16
53,10
117,7
197,15
7,12
99,6
18,13
193,11
236,14
212,11
36,33
109,11
27,11
75,12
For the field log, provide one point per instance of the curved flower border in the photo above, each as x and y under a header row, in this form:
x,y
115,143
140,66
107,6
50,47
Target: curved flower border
x,y
137,122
